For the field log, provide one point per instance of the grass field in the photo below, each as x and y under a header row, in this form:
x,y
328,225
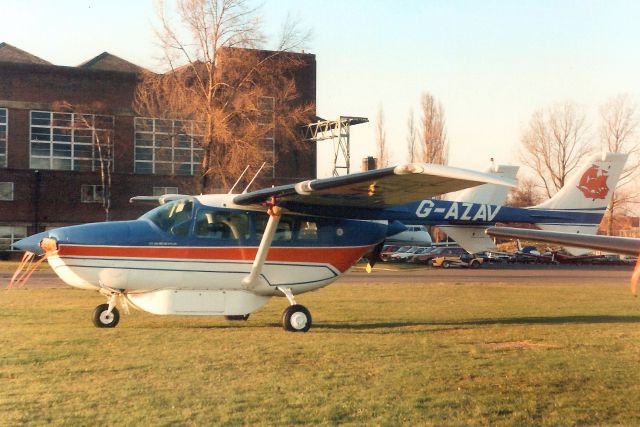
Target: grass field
x,y
382,354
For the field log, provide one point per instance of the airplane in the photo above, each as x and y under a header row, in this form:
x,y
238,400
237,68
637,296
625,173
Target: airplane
x,y
413,235
469,236
228,254
578,207
619,245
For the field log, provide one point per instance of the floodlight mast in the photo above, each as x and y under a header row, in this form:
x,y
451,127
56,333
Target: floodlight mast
x,y
339,132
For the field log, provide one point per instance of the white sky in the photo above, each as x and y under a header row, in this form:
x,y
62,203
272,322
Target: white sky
x,y
491,63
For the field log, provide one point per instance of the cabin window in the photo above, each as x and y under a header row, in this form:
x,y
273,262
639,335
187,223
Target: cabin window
x,y
284,232
173,217
222,225
3,137
308,231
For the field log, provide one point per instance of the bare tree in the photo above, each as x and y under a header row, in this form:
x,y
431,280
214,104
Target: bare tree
x,y
238,96
381,140
412,137
619,122
554,143
433,131
93,138
524,195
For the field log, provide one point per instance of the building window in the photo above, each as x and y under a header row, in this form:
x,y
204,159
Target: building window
x,y
161,191
91,193
266,117
70,141
6,190
167,147
9,235
4,116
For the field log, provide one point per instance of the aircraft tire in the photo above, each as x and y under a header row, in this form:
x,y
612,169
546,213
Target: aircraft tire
x,y
237,317
102,320
296,318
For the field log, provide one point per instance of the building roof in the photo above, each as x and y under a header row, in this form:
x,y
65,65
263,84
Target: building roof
x,y
10,53
108,62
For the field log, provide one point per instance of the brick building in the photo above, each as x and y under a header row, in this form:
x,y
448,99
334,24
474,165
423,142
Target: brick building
x,y
50,172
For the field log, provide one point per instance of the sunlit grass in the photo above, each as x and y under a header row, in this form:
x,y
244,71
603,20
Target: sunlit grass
x,y
12,265
388,354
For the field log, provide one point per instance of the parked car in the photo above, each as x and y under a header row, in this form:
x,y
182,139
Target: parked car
x,y
388,250
404,256
496,257
427,258
387,256
421,251
468,260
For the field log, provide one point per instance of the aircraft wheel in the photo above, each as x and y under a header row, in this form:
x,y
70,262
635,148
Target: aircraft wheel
x,y
445,264
237,317
296,318
103,319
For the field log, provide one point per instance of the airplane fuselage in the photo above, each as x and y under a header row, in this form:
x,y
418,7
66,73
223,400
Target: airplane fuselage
x,y
210,246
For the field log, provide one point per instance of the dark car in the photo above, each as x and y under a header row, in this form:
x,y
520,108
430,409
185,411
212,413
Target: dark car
x,y
427,258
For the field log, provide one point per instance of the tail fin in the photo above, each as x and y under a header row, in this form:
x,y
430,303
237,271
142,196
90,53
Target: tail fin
x,y
488,194
472,237
588,191
590,188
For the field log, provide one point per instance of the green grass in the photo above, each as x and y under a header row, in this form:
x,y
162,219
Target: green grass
x,y
12,265
382,354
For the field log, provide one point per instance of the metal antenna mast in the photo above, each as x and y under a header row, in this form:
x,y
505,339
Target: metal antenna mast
x,y
339,132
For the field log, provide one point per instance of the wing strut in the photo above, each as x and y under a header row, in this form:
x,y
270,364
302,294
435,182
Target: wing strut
x,y
275,213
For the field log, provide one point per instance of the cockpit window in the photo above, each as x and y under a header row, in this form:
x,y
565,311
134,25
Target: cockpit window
x,y
222,225
172,217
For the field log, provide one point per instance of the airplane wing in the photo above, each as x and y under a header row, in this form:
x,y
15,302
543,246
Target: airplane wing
x,y
620,245
380,188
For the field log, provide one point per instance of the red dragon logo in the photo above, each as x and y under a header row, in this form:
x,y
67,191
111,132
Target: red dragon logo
x,y
593,183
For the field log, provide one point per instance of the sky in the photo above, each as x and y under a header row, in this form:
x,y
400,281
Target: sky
x,y
491,64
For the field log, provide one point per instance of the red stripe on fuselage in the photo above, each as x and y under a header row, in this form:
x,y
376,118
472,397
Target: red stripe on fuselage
x,y
342,258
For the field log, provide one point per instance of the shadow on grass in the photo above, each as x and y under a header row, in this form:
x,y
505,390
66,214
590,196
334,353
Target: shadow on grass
x,y
538,320
434,326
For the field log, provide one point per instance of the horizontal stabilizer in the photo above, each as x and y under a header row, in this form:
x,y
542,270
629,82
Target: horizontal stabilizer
x,y
620,245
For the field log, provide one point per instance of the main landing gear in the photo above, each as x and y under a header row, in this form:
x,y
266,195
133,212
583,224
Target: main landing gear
x,y
296,317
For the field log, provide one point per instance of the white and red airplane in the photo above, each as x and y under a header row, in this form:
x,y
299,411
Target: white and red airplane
x,y
228,254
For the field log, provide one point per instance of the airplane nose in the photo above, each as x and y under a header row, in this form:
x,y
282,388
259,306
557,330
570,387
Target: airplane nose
x,y
32,243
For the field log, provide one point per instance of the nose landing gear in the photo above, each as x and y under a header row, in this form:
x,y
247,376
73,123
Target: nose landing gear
x,y
107,315
105,318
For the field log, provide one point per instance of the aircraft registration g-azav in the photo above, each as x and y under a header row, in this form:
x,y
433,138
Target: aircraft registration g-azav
x,y
228,254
